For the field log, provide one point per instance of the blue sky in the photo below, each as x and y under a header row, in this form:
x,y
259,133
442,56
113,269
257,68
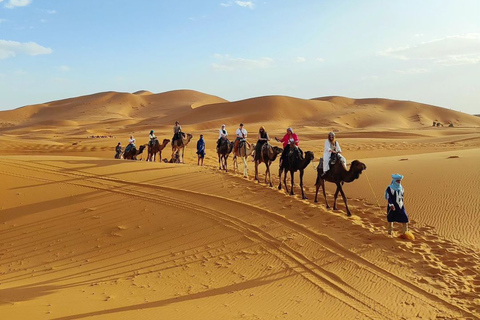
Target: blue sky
x,y
426,51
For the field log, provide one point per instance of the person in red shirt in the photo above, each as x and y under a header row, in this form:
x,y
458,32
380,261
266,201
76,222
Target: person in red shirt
x,y
286,140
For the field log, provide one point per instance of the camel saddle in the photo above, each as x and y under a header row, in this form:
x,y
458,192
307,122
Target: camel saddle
x,y
332,161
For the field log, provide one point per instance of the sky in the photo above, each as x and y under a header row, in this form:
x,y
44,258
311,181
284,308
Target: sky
x,y
426,51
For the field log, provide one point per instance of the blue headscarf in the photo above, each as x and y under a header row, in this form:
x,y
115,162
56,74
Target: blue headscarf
x,y
394,185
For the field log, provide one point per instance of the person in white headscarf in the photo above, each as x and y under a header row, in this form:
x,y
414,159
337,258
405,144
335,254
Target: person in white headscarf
x,y
332,147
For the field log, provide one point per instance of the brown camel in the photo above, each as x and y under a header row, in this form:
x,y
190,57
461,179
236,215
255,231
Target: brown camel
x,y
268,154
180,144
292,164
133,153
338,175
243,152
223,151
156,148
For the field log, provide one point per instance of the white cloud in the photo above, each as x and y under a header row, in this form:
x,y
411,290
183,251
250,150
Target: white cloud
x,y
320,59
64,68
51,11
412,71
450,50
17,3
300,59
246,4
10,49
417,35
227,62
367,78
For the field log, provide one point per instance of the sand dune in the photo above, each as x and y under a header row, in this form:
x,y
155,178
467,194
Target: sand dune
x,y
144,110
85,236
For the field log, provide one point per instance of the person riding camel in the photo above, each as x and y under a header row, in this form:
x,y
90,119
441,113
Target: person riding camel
x,y
152,138
263,138
131,144
177,132
332,148
289,137
222,135
396,210
241,135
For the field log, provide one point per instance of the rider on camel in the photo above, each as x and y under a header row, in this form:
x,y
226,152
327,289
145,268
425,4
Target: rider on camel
x,y
263,138
222,134
286,140
331,148
152,138
177,132
241,135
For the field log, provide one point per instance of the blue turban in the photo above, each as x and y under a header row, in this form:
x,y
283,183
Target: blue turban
x,y
394,185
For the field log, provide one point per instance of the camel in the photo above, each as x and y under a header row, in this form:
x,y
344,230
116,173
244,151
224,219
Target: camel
x,y
293,164
180,144
338,175
156,148
223,152
243,152
133,153
268,154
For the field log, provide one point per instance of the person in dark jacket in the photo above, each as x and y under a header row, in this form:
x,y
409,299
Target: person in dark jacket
x,y
200,150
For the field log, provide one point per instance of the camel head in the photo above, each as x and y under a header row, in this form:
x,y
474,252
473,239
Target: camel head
x,y
277,150
357,167
309,156
166,141
142,147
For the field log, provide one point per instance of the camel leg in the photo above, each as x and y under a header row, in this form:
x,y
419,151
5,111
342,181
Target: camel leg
x,y
256,170
335,196
324,193
183,155
301,184
285,180
280,178
345,200
245,169
292,175
219,161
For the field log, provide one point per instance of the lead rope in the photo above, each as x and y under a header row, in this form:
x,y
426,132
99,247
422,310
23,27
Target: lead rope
x,y
371,188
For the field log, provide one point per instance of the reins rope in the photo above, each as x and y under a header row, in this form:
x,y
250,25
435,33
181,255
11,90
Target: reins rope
x,y
373,191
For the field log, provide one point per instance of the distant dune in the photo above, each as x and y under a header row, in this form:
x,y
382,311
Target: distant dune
x,y
143,110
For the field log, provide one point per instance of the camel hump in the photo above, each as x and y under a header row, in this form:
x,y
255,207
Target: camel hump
x,y
320,166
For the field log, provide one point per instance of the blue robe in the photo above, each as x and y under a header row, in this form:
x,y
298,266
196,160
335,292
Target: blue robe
x,y
201,148
396,198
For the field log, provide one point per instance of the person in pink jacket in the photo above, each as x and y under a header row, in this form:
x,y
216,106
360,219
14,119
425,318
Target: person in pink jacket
x,y
286,140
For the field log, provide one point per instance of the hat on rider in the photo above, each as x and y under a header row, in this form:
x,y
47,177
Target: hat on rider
x,y
241,124
223,125
151,131
176,122
290,129
331,134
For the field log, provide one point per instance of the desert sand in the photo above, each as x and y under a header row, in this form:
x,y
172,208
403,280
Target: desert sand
x,y
83,235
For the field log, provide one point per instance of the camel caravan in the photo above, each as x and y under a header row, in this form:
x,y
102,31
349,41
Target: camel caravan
x,y
332,167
